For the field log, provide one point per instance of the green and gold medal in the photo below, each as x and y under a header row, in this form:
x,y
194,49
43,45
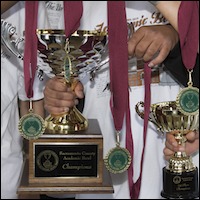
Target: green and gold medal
x,y
31,126
188,98
118,159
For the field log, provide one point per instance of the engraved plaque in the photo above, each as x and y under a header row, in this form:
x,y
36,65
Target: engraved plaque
x,y
72,158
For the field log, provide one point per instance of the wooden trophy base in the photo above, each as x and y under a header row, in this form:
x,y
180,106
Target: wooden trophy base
x,y
66,163
26,188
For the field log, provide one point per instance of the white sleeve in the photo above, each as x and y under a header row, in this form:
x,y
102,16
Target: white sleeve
x,y
38,88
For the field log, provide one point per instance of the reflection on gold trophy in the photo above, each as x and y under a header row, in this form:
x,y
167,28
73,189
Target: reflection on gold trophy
x,y
82,52
180,176
61,54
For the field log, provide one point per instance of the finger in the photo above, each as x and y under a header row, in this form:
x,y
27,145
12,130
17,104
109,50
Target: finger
x,y
59,102
191,148
170,140
56,84
56,110
58,95
142,47
133,41
151,51
79,90
191,136
162,54
167,153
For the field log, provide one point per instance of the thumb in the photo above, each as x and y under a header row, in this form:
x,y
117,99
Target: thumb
x,y
79,90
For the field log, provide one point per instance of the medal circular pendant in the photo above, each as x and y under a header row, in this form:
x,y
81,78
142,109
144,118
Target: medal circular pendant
x,y
118,160
31,126
188,101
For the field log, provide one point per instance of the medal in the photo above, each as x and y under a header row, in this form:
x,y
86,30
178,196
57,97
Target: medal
x,y
118,159
188,99
31,126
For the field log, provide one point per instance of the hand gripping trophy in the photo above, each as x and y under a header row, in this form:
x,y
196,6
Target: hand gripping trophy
x,y
180,176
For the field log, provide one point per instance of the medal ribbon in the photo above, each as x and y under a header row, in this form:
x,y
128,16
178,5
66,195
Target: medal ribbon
x,y
118,62
147,101
30,49
188,28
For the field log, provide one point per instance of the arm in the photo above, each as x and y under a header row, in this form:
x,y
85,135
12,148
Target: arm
x,y
5,5
169,9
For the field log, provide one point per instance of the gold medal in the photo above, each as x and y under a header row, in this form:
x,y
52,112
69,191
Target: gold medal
x,y
31,126
188,99
118,159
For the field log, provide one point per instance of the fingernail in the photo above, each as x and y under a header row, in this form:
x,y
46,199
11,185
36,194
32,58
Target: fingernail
x,y
76,101
66,109
181,149
151,64
80,94
175,144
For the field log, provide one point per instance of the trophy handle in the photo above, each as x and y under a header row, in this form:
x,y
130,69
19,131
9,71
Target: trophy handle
x,y
140,112
7,30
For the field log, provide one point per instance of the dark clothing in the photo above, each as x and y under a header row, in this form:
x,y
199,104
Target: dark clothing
x,y
176,68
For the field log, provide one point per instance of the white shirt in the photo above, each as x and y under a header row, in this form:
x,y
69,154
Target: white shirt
x,y
97,102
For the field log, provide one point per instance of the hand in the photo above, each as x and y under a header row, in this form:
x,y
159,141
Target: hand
x,y
191,145
150,41
58,97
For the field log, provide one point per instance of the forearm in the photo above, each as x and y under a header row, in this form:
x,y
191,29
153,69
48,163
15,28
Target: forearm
x,y
5,5
169,9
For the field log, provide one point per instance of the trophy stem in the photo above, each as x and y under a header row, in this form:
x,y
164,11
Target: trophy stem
x,y
70,122
180,162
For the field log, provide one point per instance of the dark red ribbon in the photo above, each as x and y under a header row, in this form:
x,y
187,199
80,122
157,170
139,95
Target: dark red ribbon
x,y
30,49
72,14
118,63
188,28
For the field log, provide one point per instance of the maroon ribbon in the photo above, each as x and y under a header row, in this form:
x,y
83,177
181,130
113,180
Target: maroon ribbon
x,y
30,49
118,63
72,14
188,28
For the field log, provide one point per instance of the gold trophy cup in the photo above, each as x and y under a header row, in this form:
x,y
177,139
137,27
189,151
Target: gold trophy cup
x,y
68,157
180,176
71,149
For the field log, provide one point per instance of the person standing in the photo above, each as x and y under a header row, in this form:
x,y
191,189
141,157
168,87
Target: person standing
x,y
14,104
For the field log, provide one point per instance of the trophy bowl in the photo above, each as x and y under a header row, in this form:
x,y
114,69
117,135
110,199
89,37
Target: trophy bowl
x,y
59,155
67,58
180,176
